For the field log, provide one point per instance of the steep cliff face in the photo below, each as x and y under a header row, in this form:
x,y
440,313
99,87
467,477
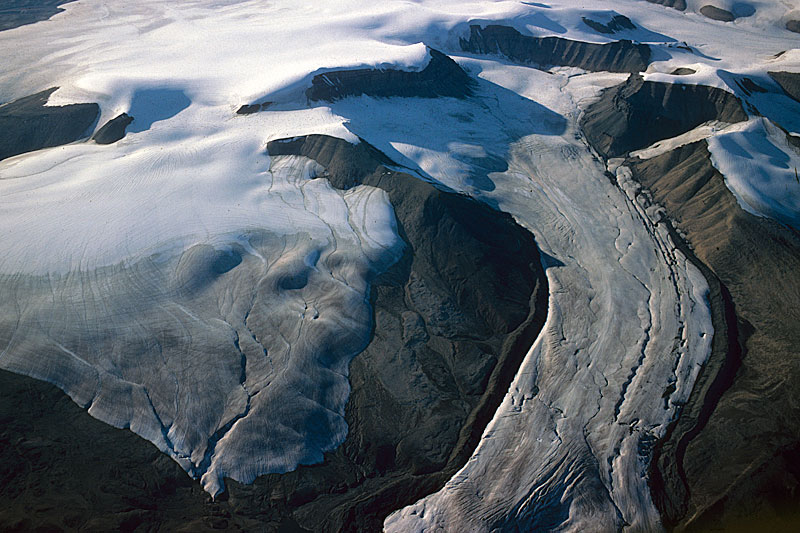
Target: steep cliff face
x,y
677,4
617,56
28,124
441,77
789,82
638,113
750,386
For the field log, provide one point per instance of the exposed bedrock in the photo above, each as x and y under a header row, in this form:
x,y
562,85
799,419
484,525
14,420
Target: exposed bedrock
x,y
789,82
441,77
453,321
249,109
677,4
15,13
617,56
637,113
716,13
743,413
617,23
28,124
113,130
793,25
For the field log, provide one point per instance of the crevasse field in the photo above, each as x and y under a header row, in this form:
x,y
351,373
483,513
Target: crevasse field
x,y
183,283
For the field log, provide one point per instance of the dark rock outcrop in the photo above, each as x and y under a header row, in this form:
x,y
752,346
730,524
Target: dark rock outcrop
x,y
789,82
677,4
28,124
16,13
793,25
617,23
683,71
249,109
637,113
62,470
743,413
716,13
441,77
113,130
617,56
453,321
748,86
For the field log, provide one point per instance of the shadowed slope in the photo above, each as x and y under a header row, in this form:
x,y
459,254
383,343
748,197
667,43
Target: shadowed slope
x,y
617,56
441,77
28,124
637,113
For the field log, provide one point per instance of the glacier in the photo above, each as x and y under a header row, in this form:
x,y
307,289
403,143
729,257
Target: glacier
x,y
183,283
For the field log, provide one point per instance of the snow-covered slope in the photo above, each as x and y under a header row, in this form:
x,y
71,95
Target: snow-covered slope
x,y
184,284
760,168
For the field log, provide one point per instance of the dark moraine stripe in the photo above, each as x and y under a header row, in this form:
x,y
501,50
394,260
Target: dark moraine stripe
x,y
743,413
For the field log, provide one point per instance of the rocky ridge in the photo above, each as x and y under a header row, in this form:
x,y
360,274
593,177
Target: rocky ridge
x,y
616,56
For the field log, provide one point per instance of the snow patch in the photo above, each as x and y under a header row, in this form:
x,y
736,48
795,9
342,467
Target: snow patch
x,y
760,169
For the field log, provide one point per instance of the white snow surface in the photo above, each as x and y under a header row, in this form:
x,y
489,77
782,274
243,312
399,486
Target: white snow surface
x,y
109,251
760,167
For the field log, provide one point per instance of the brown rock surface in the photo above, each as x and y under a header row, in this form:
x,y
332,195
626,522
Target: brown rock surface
x,y
789,82
637,113
716,13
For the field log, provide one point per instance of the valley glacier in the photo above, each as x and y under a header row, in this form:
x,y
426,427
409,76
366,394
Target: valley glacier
x,y
186,284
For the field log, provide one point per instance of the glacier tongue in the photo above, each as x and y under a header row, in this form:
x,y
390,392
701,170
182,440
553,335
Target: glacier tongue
x,y
627,332
231,355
